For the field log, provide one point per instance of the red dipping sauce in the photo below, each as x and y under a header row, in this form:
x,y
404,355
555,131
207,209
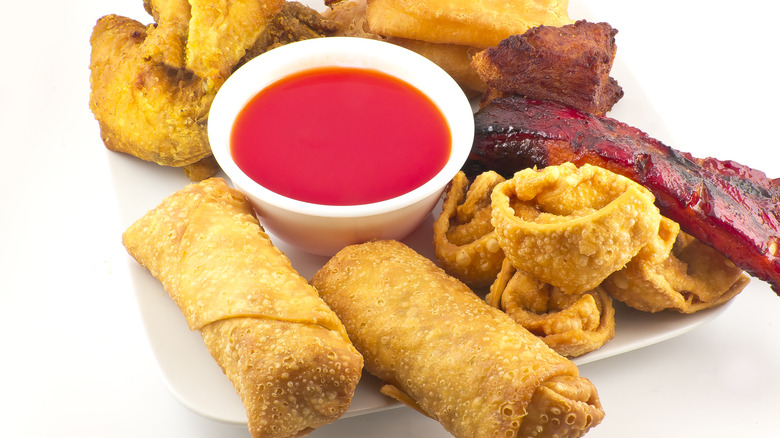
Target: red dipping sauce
x,y
340,136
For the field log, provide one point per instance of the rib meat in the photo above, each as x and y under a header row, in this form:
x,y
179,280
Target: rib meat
x,y
729,206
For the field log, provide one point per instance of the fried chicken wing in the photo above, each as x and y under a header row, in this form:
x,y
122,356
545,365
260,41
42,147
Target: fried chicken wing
x,y
295,22
152,86
145,108
166,44
220,33
455,59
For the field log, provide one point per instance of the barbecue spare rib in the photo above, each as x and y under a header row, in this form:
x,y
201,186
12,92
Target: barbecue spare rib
x,y
724,204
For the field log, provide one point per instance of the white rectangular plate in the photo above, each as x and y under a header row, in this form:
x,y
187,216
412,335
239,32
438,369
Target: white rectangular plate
x,y
194,377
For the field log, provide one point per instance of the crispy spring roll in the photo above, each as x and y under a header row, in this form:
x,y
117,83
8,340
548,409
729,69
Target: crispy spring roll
x,y
447,353
479,24
286,353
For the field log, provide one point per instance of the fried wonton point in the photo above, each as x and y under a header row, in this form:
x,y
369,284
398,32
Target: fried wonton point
x,y
463,237
572,325
572,227
676,271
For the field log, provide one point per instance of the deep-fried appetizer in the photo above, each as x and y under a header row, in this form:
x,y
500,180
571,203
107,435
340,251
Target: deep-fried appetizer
x,y
572,325
572,227
568,64
724,204
447,353
144,108
167,43
464,240
152,86
286,353
295,22
465,22
676,271
221,31
455,59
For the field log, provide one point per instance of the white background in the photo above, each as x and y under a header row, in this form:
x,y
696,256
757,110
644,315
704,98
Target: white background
x,y
74,358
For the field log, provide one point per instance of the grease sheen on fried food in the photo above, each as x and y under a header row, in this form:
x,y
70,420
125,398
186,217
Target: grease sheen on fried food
x,y
286,353
465,22
447,353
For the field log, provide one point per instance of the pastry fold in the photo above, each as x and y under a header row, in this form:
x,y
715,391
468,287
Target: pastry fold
x,y
286,353
571,324
676,271
464,240
447,353
572,227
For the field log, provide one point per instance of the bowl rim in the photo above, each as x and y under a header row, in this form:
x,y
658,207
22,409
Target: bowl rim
x,y
389,58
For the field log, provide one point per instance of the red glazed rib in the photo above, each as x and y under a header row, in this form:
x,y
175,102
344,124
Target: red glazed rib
x,y
724,204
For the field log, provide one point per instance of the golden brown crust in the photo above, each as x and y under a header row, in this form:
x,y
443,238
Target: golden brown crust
x,y
464,240
286,353
455,59
294,22
572,325
572,227
464,22
152,86
146,109
676,271
221,31
464,363
568,64
203,169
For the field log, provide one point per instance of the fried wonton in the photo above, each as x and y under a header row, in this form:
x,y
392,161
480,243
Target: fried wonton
x,y
463,238
572,227
676,271
572,325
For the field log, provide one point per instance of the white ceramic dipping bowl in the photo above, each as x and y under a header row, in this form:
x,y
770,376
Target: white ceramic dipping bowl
x,y
325,229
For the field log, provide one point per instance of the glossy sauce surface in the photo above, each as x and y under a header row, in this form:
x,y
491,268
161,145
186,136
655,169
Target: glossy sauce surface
x,y
340,136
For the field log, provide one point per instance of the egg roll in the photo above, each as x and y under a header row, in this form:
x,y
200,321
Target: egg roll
x,y
444,351
455,59
286,353
466,22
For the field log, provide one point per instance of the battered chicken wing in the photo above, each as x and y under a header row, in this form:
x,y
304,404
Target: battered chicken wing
x,y
152,86
146,108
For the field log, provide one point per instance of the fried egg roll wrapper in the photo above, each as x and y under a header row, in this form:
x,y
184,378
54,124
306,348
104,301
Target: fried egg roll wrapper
x,y
676,271
572,325
286,353
464,240
466,22
447,352
455,59
572,227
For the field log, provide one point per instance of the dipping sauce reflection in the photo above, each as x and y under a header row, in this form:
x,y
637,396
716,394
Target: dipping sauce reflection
x,y
340,136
